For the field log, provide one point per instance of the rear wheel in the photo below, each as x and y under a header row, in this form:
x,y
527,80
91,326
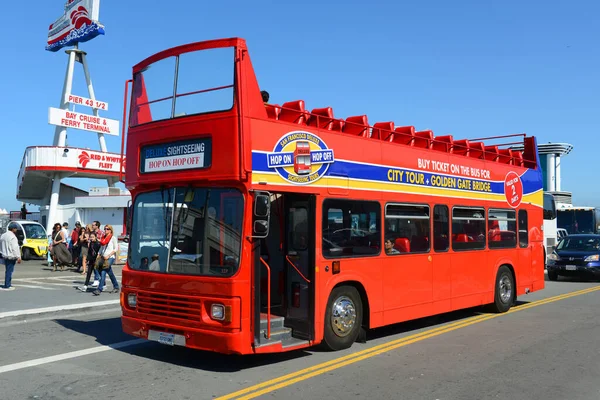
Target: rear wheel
x,y
505,290
343,318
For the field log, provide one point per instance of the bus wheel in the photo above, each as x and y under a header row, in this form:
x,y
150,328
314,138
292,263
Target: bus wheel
x,y
26,254
343,318
505,291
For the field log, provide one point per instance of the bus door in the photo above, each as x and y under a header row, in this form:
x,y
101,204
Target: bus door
x,y
299,270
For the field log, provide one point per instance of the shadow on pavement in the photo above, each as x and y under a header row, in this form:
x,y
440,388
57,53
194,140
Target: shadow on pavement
x,y
108,331
104,331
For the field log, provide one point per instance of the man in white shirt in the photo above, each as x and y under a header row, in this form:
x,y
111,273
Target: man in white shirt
x,y
11,254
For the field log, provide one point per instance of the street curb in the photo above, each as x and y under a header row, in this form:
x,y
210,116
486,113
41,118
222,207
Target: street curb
x,y
29,315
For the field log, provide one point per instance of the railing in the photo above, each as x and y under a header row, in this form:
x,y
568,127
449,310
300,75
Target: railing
x,y
386,135
296,268
268,298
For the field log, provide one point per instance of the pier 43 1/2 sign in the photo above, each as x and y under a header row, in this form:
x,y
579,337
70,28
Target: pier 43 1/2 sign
x,y
79,23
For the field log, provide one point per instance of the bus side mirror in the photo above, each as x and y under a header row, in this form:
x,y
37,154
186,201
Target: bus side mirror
x,y
262,206
261,227
262,212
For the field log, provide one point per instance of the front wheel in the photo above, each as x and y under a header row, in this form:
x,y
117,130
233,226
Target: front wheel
x,y
505,290
552,275
343,318
26,254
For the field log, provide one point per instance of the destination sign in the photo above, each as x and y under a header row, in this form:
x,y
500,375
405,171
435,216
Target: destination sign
x,y
189,154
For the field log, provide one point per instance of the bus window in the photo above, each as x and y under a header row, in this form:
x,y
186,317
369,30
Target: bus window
x,y
298,232
441,228
523,229
468,228
407,226
502,229
351,228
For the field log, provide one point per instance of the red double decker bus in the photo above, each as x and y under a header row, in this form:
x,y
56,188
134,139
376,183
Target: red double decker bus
x,y
234,249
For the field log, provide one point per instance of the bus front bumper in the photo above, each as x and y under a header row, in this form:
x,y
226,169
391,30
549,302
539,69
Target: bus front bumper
x,y
200,339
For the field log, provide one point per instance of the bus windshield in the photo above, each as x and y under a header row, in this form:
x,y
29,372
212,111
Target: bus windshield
x,y
549,207
187,84
577,221
185,230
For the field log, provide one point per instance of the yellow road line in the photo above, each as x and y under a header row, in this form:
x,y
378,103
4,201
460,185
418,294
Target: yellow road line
x,y
298,376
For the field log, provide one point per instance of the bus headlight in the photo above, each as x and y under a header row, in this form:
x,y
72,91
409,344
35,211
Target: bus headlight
x,y
217,311
132,300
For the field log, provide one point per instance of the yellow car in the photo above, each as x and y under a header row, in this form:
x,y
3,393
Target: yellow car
x,y
32,239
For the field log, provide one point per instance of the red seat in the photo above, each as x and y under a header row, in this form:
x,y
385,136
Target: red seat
x,y
294,112
494,233
338,125
505,156
461,147
404,135
321,118
382,131
357,125
462,238
402,245
491,153
273,110
518,158
423,139
476,149
443,143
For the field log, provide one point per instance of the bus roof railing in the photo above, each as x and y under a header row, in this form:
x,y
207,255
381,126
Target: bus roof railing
x,y
357,125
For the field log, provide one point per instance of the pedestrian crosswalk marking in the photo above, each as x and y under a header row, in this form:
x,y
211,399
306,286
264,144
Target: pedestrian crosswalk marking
x,y
34,287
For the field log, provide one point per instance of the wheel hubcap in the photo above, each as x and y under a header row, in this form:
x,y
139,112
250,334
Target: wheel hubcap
x,y
505,289
343,316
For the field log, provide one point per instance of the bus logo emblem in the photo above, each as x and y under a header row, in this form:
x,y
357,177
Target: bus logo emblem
x,y
300,157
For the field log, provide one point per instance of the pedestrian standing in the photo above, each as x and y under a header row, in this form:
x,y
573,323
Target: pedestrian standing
x,y
106,258
11,253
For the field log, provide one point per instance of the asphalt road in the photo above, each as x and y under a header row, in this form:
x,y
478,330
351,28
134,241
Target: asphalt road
x,y
547,348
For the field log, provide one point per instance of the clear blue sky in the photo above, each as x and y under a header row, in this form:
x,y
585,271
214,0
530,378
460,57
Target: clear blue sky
x,y
467,68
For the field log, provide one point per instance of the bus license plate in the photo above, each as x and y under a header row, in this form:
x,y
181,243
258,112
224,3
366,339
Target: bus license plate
x,y
166,338
571,267
170,339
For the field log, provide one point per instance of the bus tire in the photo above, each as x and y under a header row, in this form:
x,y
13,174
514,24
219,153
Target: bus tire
x,y
504,290
343,318
26,254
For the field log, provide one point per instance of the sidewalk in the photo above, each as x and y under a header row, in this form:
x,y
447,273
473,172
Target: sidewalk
x,y
40,292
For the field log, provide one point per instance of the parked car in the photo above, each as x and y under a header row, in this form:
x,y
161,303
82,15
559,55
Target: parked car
x,y
32,238
575,255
